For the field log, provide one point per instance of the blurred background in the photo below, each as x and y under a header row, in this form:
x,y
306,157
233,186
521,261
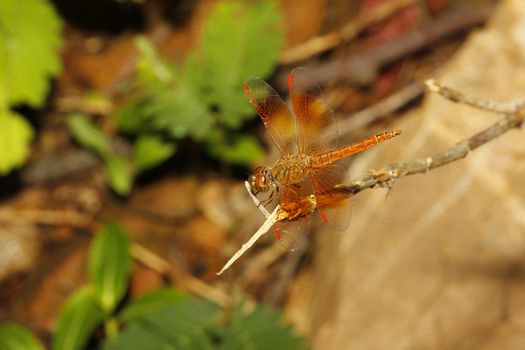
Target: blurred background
x,y
126,136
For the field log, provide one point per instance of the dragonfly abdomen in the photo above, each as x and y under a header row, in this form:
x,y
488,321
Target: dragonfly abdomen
x,y
329,157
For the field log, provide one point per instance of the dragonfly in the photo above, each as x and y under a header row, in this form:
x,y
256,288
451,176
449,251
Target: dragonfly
x,y
306,177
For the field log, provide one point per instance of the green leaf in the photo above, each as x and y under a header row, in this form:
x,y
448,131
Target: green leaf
x,y
77,320
137,337
16,337
15,136
30,36
150,150
243,149
150,303
151,67
119,174
240,40
261,329
87,134
180,326
109,266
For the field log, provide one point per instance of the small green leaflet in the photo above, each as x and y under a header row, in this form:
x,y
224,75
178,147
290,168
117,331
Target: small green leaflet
x,y
88,135
119,174
151,150
77,320
109,266
16,337
15,135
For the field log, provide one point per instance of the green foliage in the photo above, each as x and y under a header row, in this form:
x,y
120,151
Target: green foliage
x,y
15,135
239,41
261,329
151,150
150,303
204,99
119,174
16,337
162,319
88,135
181,326
168,320
29,42
109,266
78,319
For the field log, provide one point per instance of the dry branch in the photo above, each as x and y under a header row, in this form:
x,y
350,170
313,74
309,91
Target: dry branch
x,y
514,113
385,177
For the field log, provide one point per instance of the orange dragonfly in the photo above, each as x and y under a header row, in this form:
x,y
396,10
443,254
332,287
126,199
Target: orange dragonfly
x,y
306,177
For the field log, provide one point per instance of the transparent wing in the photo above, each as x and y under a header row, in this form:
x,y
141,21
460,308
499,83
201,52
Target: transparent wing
x,y
334,205
316,124
293,233
274,113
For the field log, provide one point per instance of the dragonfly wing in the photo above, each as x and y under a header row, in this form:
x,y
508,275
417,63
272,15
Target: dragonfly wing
x,y
297,204
274,113
333,203
316,124
293,233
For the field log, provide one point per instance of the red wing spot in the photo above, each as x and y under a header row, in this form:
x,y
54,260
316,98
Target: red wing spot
x,y
290,81
323,217
246,89
278,233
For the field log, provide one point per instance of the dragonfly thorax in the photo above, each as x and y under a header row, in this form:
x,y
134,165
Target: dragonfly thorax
x,y
291,169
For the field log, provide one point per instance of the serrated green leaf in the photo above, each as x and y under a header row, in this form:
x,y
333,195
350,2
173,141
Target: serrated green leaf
x,y
15,136
150,303
243,149
119,174
77,320
262,329
29,41
151,150
180,326
137,337
16,337
88,135
109,266
240,40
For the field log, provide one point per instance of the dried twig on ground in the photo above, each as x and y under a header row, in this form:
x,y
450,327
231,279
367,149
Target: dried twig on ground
x,y
389,105
514,112
328,41
193,284
362,68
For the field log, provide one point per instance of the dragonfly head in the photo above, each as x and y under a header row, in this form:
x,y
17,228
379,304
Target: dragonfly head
x,y
261,180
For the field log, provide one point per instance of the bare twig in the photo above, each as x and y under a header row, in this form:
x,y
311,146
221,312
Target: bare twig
x,y
385,177
328,41
514,115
